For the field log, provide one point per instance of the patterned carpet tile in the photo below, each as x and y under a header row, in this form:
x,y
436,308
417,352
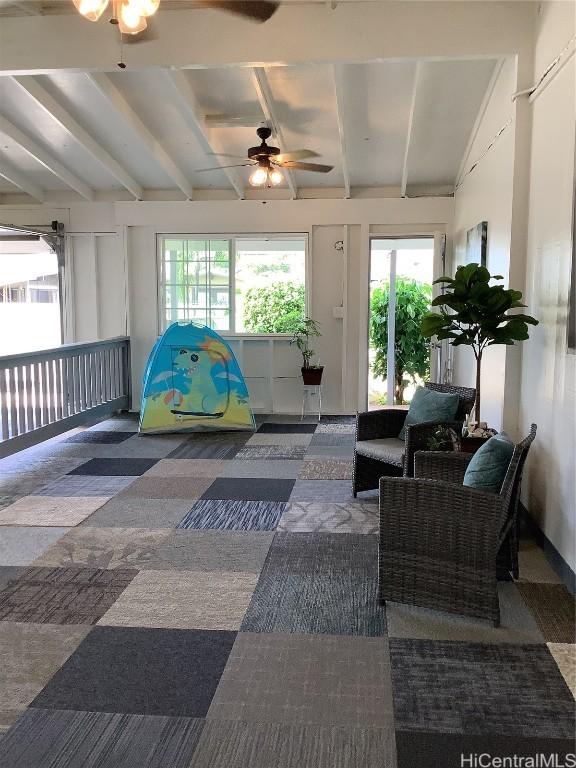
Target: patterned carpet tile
x,y
60,511
104,548
272,453
126,512
194,550
565,657
340,604
191,468
314,469
234,515
279,469
337,428
306,680
22,545
432,750
10,573
204,449
183,600
85,485
554,609
293,439
327,554
113,467
166,488
45,738
308,517
275,428
517,624
249,489
322,490
473,688
100,436
62,595
226,744
169,672
30,654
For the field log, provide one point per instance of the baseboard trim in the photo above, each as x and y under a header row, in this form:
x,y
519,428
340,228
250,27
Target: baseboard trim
x,y
560,566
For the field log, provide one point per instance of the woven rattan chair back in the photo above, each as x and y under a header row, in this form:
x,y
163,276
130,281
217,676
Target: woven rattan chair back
x,y
510,491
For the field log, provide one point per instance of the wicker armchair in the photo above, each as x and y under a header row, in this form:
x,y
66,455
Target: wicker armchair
x,y
441,542
379,451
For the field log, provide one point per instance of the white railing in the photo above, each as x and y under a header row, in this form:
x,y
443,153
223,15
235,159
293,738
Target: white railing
x,y
50,391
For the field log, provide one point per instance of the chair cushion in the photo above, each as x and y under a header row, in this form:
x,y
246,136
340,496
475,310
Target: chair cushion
x,y
429,405
487,468
388,449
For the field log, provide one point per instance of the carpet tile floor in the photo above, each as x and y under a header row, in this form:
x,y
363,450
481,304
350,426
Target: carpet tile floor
x,y
210,601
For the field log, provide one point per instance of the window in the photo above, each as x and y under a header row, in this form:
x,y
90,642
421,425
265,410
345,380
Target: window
x,y
241,284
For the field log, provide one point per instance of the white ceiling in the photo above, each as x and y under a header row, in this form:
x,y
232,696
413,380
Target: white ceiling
x,y
397,118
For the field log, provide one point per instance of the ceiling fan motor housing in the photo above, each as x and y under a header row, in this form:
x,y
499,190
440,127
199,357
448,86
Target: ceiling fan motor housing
x,y
264,151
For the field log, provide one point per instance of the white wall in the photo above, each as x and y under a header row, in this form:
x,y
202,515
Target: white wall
x,y
548,393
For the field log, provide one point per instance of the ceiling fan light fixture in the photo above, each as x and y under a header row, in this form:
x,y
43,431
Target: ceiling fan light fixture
x,y
275,177
146,7
259,177
91,9
130,20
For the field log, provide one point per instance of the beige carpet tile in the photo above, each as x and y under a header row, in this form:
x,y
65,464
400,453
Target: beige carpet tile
x,y
533,564
353,517
183,600
167,488
554,610
191,468
565,657
316,469
51,510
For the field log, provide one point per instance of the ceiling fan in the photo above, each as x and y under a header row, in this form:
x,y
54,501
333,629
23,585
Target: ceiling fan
x,y
268,161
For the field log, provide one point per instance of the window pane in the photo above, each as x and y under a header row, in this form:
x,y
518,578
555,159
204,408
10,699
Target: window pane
x,y
270,284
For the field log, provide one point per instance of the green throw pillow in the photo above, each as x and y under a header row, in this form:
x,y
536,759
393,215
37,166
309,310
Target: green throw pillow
x,y
429,405
487,468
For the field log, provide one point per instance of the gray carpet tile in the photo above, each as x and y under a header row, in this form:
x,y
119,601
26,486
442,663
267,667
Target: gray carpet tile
x,y
327,469
345,452
280,439
22,545
517,624
304,679
554,609
194,550
279,469
183,600
45,738
272,453
30,655
322,490
564,655
339,604
474,688
85,485
431,750
234,515
166,488
187,468
330,439
170,672
226,744
100,436
104,548
127,512
127,422
204,449
62,595
10,572
335,517
275,428
326,554
114,467
63,511
249,489
336,429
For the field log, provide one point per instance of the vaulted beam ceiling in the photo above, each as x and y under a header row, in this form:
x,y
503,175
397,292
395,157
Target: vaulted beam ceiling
x,y
14,176
338,75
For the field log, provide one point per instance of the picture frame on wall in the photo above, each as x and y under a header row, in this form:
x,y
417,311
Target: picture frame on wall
x,y
477,244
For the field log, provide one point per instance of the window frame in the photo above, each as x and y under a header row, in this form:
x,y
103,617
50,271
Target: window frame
x,y
161,237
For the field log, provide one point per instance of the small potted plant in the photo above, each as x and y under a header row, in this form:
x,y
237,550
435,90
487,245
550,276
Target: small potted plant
x,y
304,331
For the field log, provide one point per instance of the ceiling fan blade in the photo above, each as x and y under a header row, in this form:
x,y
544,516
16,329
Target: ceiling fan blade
x,y
297,154
229,121
256,10
220,167
225,154
316,167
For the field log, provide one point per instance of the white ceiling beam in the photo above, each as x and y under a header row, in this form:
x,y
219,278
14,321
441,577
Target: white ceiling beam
x,y
118,101
45,158
410,132
14,176
338,77
56,111
266,100
194,115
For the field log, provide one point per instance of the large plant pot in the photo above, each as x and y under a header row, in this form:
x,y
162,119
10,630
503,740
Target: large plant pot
x,y
312,376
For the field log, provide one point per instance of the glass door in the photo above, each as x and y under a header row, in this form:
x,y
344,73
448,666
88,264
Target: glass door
x,y
401,274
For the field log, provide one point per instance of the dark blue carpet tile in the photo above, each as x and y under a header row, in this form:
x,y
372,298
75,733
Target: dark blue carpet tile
x,y
171,672
294,429
234,515
102,437
45,738
249,489
432,750
114,467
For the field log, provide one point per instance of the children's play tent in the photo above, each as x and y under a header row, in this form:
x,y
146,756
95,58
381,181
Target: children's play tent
x,y
192,383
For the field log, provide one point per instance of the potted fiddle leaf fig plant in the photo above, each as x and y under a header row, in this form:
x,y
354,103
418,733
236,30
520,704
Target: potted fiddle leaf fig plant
x,y
304,331
478,314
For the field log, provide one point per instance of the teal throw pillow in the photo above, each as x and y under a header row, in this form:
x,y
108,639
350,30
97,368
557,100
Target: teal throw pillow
x,y
487,468
429,405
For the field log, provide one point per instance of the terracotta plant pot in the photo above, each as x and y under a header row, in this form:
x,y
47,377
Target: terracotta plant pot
x,y
312,376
